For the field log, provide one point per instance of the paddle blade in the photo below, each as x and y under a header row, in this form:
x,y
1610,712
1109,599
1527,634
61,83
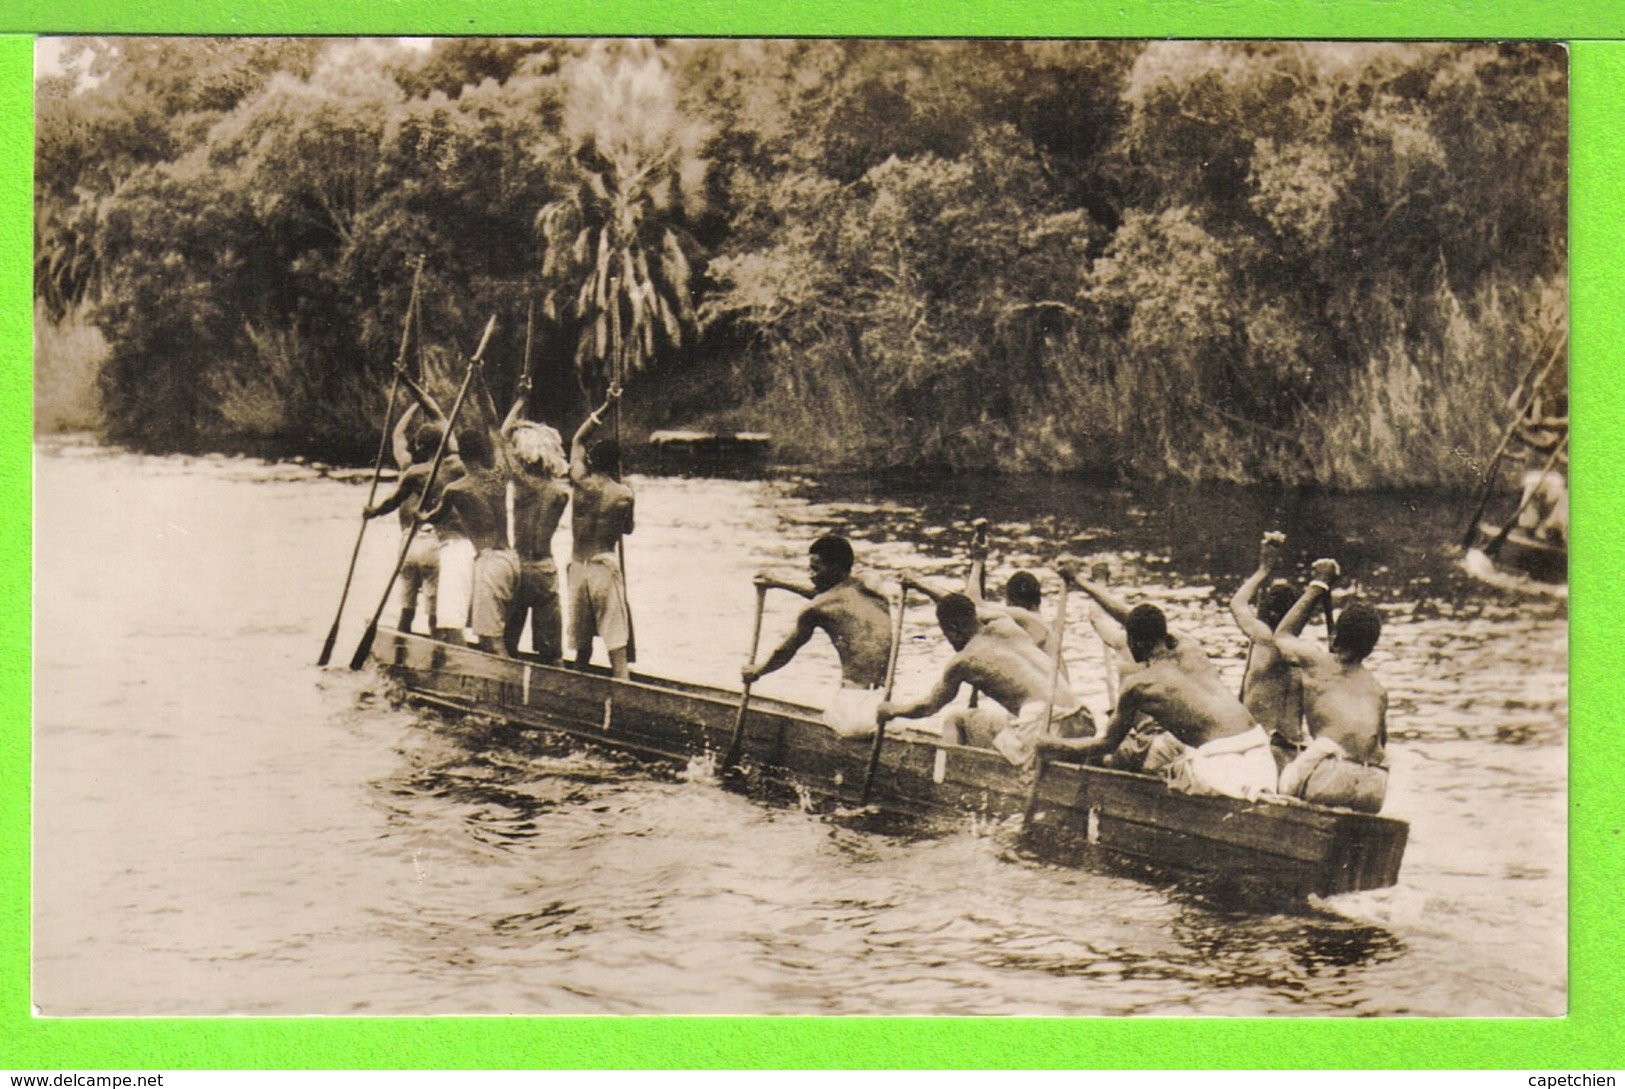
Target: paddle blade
x,y
359,658
327,647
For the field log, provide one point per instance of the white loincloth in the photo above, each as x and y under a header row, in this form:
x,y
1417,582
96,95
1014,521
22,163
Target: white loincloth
x,y
850,712
1239,766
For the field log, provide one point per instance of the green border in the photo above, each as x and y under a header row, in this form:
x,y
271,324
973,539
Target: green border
x,y
1583,1040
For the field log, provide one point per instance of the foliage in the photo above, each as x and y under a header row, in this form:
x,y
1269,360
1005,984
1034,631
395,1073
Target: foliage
x,y
614,265
1302,262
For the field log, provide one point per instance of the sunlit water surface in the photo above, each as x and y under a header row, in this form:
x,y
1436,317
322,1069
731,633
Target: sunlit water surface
x,y
222,828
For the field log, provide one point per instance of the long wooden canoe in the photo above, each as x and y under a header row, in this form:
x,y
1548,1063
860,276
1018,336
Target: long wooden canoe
x,y
1283,844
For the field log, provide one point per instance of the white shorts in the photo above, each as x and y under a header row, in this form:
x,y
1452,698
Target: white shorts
x,y
456,582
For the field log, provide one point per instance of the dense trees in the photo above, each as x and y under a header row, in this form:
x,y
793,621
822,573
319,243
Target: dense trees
x,y
1239,261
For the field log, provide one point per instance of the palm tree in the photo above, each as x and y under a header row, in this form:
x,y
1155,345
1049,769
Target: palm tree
x,y
614,265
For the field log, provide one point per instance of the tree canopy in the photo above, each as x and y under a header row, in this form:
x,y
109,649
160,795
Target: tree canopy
x,y
1301,262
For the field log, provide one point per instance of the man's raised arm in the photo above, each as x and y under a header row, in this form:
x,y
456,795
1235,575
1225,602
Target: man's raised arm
x,y
516,414
1294,649
1241,605
400,440
578,443
1115,607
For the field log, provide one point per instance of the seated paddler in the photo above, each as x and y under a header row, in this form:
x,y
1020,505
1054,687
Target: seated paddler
x,y
1346,762
857,619
1209,744
998,658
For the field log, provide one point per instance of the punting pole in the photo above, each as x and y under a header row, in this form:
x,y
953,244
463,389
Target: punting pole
x,y
736,742
891,680
359,658
1049,714
377,463
1495,462
620,542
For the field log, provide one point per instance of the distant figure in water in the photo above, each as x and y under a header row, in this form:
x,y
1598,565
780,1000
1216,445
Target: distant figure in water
x,y
535,502
856,618
1346,762
602,517
1545,506
1270,688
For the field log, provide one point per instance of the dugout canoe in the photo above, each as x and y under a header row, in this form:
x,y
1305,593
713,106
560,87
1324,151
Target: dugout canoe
x,y
1521,553
1286,845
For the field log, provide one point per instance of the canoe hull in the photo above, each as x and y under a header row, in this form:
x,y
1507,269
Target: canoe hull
x,y
1542,561
1287,846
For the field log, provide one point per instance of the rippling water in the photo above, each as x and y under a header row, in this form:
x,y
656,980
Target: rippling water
x,y
222,828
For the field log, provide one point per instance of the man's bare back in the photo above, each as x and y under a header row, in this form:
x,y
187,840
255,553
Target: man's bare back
x,y
1003,662
1342,701
854,616
602,516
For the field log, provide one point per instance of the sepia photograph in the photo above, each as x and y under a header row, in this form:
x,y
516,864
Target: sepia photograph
x,y
800,526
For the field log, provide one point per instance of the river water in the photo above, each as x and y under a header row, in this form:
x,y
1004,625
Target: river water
x,y
220,827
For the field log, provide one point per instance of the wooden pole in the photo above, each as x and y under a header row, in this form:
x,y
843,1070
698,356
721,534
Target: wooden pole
x,y
377,463
736,742
1049,712
891,681
359,658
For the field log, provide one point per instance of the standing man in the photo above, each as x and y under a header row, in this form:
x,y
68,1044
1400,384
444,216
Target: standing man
x,y
535,502
998,658
1211,744
1346,763
420,573
478,503
855,617
602,516
1270,688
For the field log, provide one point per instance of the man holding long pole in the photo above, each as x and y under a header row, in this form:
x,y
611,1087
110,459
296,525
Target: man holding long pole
x,y
602,516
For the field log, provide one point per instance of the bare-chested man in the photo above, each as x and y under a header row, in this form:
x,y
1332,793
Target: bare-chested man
x,y
999,659
1270,688
857,620
478,503
602,515
1219,750
420,573
454,563
1346,763
537,497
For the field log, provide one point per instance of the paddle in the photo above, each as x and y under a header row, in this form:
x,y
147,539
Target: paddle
x,y
377,466
1495,462
1049,712
891,679
736,742
359,658
978,552
1102,574
1494,546
620,542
